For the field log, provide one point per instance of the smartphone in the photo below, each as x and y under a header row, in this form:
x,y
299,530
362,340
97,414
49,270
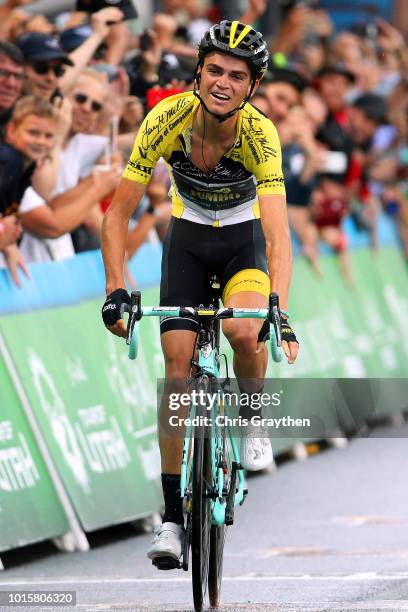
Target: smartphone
x,y
336,162
91,6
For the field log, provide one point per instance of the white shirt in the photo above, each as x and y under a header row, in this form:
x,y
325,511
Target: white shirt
x,y
76,162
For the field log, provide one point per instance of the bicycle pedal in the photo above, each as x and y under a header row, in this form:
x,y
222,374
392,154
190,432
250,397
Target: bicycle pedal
x,y
166,563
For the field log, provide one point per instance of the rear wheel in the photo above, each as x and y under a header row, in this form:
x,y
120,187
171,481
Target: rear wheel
x,y
201,509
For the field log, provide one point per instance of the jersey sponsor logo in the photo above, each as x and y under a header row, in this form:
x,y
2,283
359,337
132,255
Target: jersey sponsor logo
x,y
154,132
273,180
214,196
139,167
246,281
258,142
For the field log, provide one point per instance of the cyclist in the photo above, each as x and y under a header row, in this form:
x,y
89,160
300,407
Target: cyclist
x,y
229,218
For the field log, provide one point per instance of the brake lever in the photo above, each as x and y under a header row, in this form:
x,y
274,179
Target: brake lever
x,y
135,313
274,316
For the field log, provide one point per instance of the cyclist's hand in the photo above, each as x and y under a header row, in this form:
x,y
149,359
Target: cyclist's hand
x,y
111,314
290,345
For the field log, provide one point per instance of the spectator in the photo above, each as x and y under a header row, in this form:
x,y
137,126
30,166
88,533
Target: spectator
x,y
378,148
334,82
189,18
11,81
30,137
80,151
48,225
328,211
10,231
88,98
282,89
45,63
51,70
260,101
347,49
301,161
367,114
157,63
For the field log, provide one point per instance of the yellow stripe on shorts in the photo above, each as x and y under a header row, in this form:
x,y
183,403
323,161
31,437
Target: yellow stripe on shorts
x,y
250,279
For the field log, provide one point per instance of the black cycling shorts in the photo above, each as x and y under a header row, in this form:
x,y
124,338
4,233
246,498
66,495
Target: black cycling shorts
x,y
194,252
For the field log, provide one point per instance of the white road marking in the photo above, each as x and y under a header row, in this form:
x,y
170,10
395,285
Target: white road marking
x,y
324,606
77,580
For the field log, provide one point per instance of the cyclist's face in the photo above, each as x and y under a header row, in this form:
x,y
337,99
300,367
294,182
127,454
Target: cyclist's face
x,y
225,81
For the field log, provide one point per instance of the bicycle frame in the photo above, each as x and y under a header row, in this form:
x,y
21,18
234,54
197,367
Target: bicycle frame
x,y
208,366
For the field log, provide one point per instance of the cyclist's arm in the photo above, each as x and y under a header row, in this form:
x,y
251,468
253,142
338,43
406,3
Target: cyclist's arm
x,y
278,245
115,229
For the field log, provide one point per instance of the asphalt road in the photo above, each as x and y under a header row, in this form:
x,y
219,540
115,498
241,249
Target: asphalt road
x,y
329,533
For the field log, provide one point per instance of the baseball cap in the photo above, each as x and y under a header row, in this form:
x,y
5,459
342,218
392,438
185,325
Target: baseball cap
x,y
39,47
72,38
338,68
373,106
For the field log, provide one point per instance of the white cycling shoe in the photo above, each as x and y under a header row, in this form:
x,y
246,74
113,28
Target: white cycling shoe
x,y
167,545
255,453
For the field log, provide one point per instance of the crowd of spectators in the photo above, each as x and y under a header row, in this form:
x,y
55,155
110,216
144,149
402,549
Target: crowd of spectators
x,y
76,84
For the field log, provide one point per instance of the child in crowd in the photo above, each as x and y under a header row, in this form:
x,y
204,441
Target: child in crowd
x,y
30,137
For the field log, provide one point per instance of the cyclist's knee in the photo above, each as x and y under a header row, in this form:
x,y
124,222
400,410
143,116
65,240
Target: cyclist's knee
x,y
242,336
177,351
177,366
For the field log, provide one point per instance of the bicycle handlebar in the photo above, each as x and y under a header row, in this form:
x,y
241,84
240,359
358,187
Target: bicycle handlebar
x,y
136,312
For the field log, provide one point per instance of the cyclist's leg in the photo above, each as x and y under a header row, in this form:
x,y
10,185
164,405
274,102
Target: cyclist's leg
x,y
246,284
250,356
183,283
177,348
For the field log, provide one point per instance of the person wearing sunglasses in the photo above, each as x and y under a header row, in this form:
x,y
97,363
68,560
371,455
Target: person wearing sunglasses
x,y
11,80
45,63
88,101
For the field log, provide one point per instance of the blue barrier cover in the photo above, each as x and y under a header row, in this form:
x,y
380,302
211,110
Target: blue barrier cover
x,y
82,277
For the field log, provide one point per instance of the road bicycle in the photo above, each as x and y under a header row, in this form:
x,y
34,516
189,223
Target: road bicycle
x,y
212,480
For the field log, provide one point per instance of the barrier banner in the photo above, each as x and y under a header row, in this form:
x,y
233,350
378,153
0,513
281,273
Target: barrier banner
x,y
29,508
97,410
357,332
88,400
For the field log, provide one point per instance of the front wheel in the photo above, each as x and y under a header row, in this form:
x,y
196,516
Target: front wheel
x,y
201,509
217,541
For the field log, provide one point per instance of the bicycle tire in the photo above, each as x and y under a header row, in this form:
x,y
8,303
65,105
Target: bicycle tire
x,y
201,509
217,541
218,534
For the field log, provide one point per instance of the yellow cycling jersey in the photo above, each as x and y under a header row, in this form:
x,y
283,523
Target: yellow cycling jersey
x,y
228,194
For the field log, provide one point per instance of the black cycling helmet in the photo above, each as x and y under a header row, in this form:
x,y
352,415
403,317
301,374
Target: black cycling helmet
x,y
237,39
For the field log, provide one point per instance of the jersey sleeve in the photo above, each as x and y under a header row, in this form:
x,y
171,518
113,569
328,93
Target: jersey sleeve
x,y
266,159
146,150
